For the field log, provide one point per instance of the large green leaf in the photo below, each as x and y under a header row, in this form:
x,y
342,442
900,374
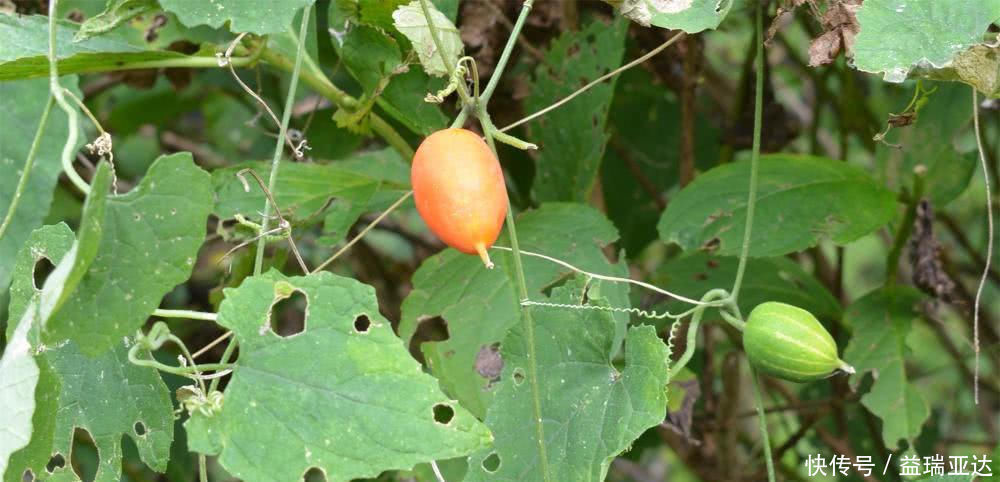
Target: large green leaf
x,y
881,321
691,16
480,305
932,141
343,395
107,395
303,189
800,201
20,371
255,16
152,236
23,53
766,279
410,20
21,106
572,138
582,410
897,35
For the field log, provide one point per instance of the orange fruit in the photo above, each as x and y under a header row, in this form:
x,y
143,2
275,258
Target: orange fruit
x,y
459,190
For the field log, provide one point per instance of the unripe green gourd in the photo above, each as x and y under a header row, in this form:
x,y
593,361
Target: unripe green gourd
x,y
788,342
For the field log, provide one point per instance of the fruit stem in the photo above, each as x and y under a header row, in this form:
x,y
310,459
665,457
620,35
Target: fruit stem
x,y
484,255
844,367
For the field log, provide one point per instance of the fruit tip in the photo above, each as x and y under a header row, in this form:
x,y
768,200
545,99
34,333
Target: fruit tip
x,y
481,249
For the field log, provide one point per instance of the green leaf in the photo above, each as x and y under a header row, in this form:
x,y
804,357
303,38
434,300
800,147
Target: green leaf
x,y
897,35
691,16
21,387
572,138
254,16
767,279
152,237
343,395
933,140
343,213
21,105
115,13
77,390
881,321
303,190
23,53
590,409
481,305
375,60
801,200
410,21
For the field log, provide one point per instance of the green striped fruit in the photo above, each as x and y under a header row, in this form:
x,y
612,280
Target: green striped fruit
x,y
788,342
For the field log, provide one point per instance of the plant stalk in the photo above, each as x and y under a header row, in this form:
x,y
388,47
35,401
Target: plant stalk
x,y
29,163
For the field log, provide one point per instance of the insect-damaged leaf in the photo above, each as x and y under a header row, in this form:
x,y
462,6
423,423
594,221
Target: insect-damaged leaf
x,y
481,305
582,410
107,396
410,21
343,395
691,16
255,16
151,239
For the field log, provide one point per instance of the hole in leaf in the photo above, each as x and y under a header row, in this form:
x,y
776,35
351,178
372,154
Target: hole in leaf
x,y
362,323
429,328
56,462
518,376
314,474
491,463
288,315
443,413
140,429
489,363
43,268
28,476
84,455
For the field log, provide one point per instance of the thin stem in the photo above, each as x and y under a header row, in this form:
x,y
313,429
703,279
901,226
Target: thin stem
x,y
186,314
322,85
692,332
759,402
527,319
278,148
437,471
225,336
202,468
600,79
754,156
610,278
989,243
83,107
904,231
505,55
226,355
187,371
466,100
29,163
57,91
363,232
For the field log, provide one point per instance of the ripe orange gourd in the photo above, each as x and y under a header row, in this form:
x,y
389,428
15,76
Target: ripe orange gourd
x,y
459,190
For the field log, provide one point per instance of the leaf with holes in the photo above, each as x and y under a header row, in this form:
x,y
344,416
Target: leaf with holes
x,y
304,189
801,200
342,395
21,105
898,35
572,138
107,396
582,410
158,226
410,20
23,53
255,16
691,16
480,306
881,321
115,13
